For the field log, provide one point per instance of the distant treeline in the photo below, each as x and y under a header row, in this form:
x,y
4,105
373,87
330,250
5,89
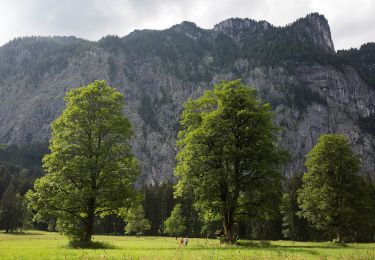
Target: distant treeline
x,y
21,165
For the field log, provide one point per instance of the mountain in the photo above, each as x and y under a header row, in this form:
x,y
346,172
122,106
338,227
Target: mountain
x,y
312,88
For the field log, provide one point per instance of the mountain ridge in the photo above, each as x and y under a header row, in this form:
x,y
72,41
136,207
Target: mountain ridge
x,y
217,27
312,88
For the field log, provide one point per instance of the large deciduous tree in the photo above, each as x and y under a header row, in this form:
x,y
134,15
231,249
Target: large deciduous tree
x,y
228,159
333,196
91,169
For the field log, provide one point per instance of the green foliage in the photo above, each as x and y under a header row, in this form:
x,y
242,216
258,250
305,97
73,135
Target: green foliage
x,y
41,55
111,43
227,159
333,197
136,223
294,227
22,179
90,170
367,124
225,50
13,210
146,111
286,210
14,182
287,46
158,203
175,224
363,60
28,156
265,229
301,97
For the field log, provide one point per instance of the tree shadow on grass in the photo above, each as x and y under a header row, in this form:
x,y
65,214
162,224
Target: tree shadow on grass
x,y
277,250
317,247
90,245
21,233
267,244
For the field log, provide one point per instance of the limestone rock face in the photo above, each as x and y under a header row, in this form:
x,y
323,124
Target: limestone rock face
x,y
312,89
316,27
236,26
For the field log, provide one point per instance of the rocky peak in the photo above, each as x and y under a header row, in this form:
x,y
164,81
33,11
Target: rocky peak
x,y
189,29
235,26
315,27
157,72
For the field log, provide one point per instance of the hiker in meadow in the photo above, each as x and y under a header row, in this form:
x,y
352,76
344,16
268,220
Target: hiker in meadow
x,y
186,241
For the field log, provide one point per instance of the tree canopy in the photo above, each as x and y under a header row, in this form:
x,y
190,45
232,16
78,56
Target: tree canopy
x,y
136,223
228,159
175,224
91,169
333,196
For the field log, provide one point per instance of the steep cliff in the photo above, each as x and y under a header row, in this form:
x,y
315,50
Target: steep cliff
x,y
312,89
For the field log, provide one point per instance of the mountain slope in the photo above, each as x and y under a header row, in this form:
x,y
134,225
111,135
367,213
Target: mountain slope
x,y
312,89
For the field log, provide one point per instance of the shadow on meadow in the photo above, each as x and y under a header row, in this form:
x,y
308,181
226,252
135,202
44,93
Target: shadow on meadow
x,y
22,233
218,248
296,248
317,247
267,246
90,245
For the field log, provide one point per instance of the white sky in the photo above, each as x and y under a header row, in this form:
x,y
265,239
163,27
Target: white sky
x,y
352,21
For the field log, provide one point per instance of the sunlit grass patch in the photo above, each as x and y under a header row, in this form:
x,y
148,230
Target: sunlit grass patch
x,y
46,245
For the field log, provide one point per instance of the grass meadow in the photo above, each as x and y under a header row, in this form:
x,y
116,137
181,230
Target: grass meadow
x,y
45,245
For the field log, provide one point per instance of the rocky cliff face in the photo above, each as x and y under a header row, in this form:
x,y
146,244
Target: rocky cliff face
x,y
315,27
312,89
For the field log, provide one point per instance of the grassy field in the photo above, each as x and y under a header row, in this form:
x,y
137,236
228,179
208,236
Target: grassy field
x,y
43,245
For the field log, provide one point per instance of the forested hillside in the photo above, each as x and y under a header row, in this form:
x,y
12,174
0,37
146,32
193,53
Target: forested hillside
x,y
312,89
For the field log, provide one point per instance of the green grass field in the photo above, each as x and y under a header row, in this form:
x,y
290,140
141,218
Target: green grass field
x,y
43,245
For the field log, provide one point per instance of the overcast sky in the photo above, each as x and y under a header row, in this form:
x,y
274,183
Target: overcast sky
x,y
352,21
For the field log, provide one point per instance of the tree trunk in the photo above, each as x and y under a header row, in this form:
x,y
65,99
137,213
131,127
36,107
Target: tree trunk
x,y
89,222
228,231
228,228
338,237
89,227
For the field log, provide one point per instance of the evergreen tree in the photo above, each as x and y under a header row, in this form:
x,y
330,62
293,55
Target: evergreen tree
x,y
289,229
12,210
158,203
293,226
